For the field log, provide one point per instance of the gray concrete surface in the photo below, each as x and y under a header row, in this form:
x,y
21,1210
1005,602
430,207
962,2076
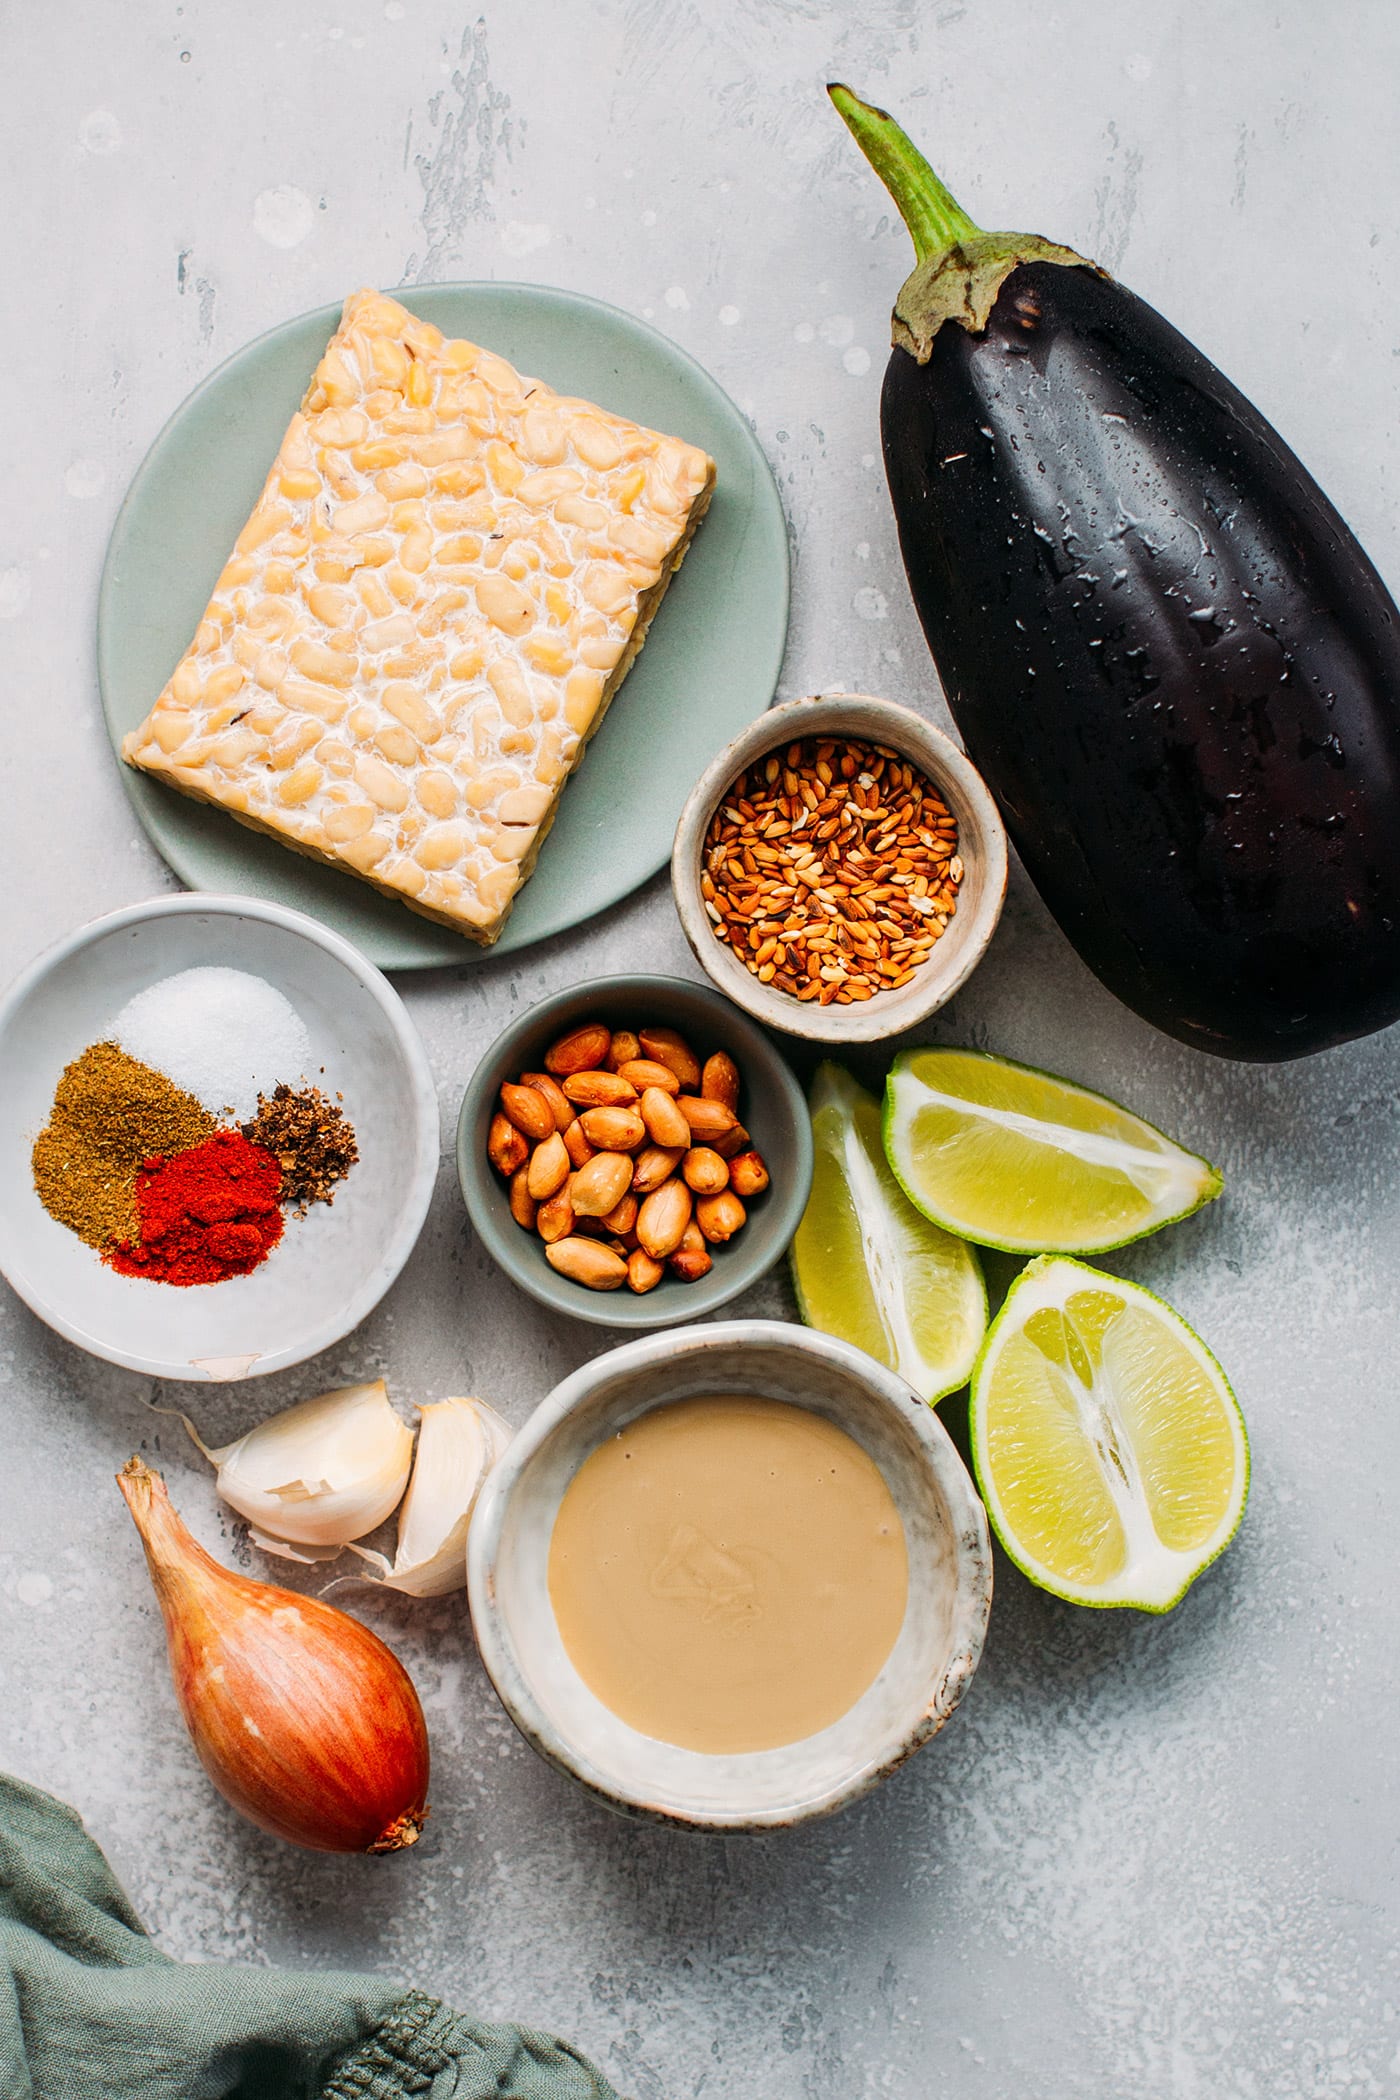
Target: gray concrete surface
x,y
1149,1859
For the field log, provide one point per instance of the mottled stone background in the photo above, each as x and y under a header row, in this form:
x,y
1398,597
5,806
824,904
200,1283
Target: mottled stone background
x,y
1149,1858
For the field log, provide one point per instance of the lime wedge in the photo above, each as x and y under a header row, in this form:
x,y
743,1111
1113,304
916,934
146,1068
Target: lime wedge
x,y
867,1267
1017,1159
1109,1448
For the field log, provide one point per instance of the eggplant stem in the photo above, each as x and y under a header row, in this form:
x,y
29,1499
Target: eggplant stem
x,y
936,221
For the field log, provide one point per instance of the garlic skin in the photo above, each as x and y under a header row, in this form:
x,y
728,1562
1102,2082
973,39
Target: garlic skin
x,y
319,1474
459,1441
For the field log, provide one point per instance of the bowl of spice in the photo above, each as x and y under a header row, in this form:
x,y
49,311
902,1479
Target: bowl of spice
x,y
840,869
219,1137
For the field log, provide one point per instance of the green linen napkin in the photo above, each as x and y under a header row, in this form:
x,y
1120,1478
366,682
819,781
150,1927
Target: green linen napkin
x,y
90,2009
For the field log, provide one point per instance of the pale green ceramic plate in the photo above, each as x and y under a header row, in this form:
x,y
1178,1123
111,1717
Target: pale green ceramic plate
x,y
710,664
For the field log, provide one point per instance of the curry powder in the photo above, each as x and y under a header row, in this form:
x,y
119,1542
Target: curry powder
x,y
110,1114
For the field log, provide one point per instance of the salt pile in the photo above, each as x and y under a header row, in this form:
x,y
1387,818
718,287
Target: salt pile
x,y
223,1035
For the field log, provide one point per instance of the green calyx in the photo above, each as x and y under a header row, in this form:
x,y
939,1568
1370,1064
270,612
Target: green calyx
x,y
959,269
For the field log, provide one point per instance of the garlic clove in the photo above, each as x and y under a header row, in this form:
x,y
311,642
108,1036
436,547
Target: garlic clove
x,y
321,1473
459,1441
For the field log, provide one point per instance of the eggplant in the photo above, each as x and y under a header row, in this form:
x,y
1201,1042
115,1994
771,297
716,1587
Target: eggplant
x,y
1163,647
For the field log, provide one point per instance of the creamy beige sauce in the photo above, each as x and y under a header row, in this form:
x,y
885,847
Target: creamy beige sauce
x,y
728,1574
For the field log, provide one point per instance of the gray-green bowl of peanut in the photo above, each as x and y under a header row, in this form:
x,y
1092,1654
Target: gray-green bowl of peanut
x,y
634,1152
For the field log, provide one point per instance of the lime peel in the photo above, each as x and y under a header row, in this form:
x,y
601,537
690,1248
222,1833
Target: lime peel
x,y
1145,1571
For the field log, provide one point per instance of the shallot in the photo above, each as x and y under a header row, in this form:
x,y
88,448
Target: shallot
x,y
301,1716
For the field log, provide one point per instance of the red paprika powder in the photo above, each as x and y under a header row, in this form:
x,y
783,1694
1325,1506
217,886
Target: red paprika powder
x,y
206,1213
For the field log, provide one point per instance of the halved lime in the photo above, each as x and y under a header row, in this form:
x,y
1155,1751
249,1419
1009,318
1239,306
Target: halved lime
x,y
1017,1159
867,1267
1109,1448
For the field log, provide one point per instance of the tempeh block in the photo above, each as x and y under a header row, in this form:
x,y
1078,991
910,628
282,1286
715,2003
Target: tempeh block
x,y
447,576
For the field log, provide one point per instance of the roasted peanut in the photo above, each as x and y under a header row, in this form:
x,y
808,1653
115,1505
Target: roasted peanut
x,y
624,1217
549,1168
506,1147
747,1175
689,1268
642,1072
599,1090
666,1126
624,1047
705,1171
522,1203
663,1218
643,1274
601,1185
707,1120
720,1080
576,1145
720,1217
584,1049
529,1111
591,1146
554,1220
690,1263
586,1262
544,1083
654,1165
673,1051
613,1129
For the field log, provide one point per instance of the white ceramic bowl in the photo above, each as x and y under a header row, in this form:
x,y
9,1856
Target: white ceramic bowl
x,y
981,845
332,1267
950,1579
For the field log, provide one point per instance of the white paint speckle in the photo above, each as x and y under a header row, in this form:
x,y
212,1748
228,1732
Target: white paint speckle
x,y
14,592
648,218
729,317
862,550
1138,66
85,478
33,1588
870,603
99,132
856,361
838,330
867,459
394,10
335,34
283,216
524,236
804,333
677,299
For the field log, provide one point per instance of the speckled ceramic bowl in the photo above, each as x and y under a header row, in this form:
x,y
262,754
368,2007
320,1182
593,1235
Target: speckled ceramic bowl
x,y
981,845
950,1579
771,1105
331,1268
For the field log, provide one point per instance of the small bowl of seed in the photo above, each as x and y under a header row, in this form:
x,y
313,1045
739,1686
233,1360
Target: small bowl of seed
x,y
634,1152
840,869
